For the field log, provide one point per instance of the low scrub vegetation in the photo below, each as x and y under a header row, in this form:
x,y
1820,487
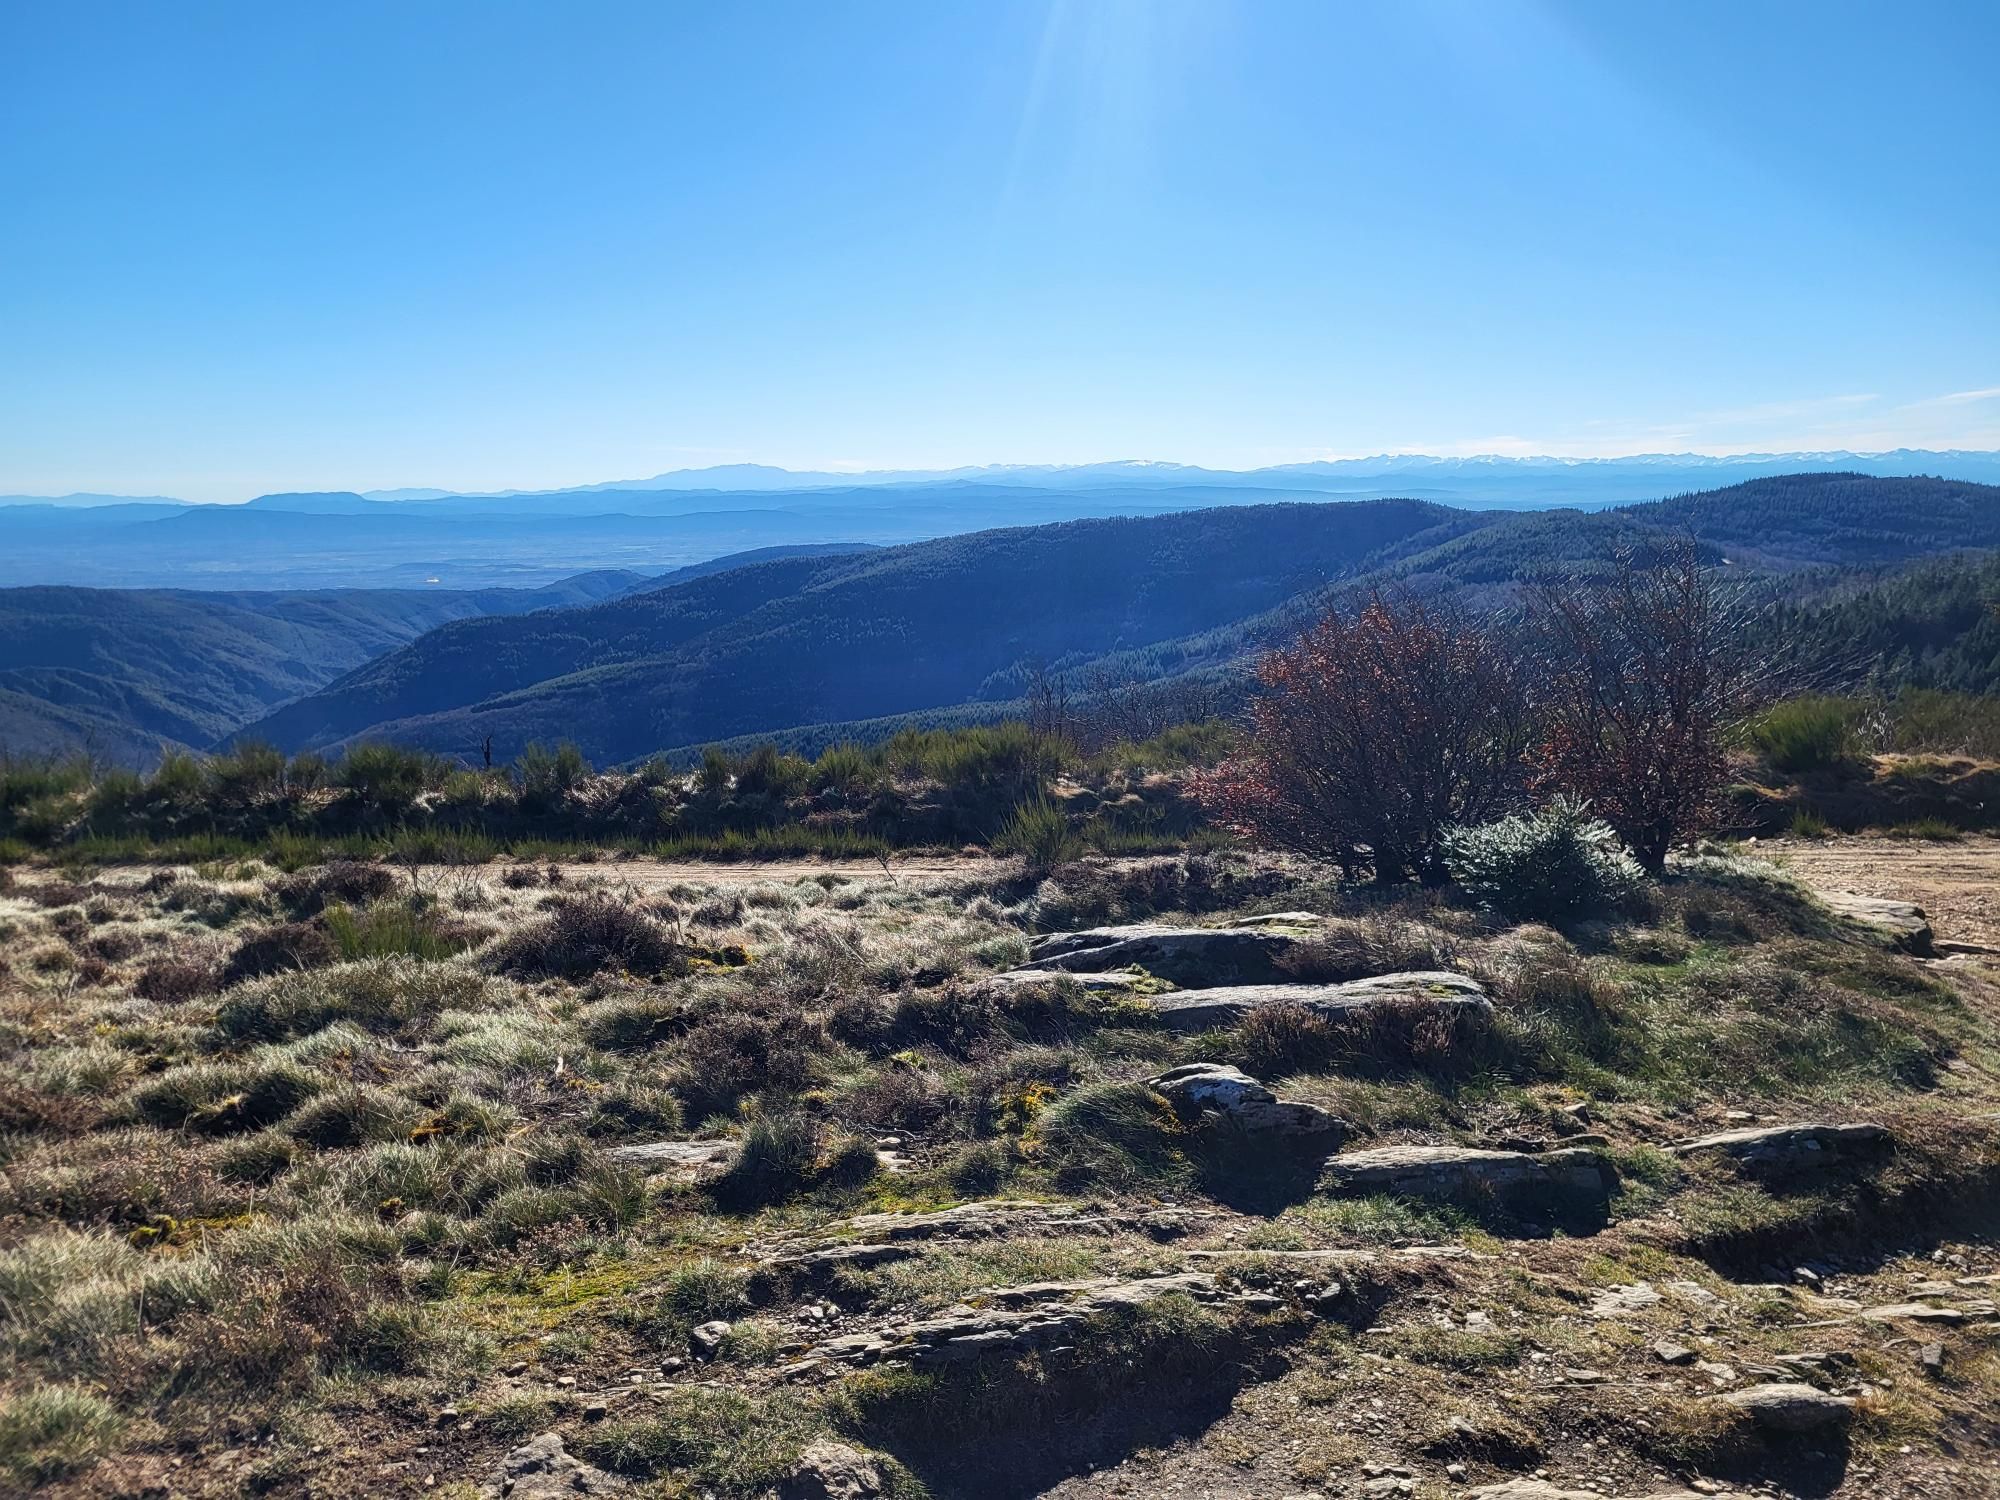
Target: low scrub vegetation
x,y
920,788
328,1199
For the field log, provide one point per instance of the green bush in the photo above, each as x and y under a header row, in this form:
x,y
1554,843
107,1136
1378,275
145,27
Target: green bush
x,y
1546,866
245,775
847,767
1807,734
389,778
548,776
1005,763
1040,833
1925,720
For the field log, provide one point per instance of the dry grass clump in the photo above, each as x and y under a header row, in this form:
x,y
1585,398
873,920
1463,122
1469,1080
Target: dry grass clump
x,y
178,978
343,882
277,949
735,1054
384,996
1412,1034
580,936
1378,943
50,1432
223,1098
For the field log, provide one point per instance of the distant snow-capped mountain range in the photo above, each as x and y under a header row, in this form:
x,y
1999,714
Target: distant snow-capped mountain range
x,y
1486,479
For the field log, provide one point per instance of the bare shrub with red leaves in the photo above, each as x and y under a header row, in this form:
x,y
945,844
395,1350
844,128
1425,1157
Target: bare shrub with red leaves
x,y
1640,674
1379,728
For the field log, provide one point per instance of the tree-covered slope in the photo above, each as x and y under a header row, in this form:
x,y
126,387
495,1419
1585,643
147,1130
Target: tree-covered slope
x,y
125,673
809,640
806,639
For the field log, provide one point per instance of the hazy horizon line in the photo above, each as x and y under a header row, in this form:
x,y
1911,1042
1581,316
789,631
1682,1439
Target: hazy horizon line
x,y
861,473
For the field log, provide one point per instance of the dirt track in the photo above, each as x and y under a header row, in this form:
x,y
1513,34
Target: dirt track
x,y
651,874
1958,885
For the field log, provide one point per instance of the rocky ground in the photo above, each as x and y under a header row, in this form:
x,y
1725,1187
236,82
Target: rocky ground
x,y
1198,1177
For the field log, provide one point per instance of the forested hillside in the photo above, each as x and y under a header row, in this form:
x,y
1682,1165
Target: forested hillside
x,y
1931,625
803,640
125,673
807,641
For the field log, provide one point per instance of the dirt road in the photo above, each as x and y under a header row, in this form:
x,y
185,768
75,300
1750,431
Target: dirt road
x,y
653,874
1958,885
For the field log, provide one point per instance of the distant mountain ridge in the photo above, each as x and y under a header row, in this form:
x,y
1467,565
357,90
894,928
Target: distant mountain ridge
x,y
1981,465
339,539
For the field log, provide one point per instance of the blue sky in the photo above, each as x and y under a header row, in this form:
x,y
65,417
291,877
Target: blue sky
x,y
249,247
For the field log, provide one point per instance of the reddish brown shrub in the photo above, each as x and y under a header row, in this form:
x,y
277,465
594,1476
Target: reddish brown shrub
x,y
1375,731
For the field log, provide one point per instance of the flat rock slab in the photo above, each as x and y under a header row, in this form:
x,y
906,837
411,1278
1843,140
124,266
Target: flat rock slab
x,y
879,1239
1894,924
1007,1321
1182,955
1575,1176
1356,1000
687,1160
1789,1407
1197,1090
699,1161
1781,1150
988,1218
1913,1312
832,1471
1542,1489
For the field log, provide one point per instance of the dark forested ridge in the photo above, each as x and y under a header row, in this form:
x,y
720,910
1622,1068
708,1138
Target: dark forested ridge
x,y
126,673
804,641
808,639
1931,624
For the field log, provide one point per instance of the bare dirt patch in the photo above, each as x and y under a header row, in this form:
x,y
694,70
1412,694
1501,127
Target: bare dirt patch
x,y
1957,884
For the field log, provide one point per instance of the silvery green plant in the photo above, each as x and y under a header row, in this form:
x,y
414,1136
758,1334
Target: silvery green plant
x,y
1556,863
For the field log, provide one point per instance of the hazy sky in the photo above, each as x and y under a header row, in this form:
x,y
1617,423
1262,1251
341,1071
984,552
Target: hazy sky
x,y
267,246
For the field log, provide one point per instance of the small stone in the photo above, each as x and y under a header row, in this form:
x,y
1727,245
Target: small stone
x,y
673,1364
595,1411
707,1339
1622,1301
542,1469
518,1367
1931,1359
447,1415
566,1381
1667,1352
